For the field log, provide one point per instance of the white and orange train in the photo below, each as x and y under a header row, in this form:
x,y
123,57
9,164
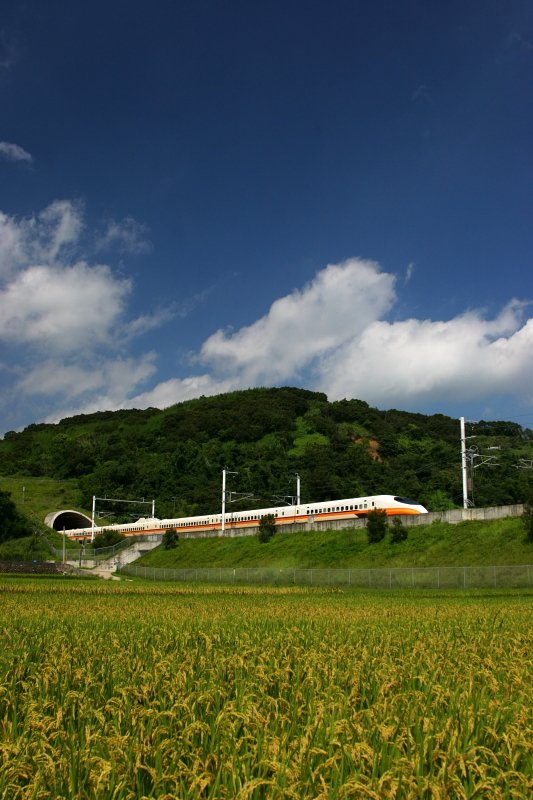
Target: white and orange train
x,y
211,524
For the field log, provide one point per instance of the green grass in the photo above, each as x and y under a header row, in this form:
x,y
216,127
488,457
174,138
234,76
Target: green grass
x,y
499,542
33,548
28,548
37,497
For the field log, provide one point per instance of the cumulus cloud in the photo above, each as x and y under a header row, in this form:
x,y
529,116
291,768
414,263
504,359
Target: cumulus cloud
x,y
420,361
13,152
177,390
64,321
44,238
51,300
63,308
341,301
109,377
331,336
70,321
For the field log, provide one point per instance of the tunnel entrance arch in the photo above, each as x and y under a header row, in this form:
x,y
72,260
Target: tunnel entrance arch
x,y
67,520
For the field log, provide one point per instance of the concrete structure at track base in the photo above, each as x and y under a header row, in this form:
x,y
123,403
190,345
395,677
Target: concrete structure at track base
x,y
67,519
72,520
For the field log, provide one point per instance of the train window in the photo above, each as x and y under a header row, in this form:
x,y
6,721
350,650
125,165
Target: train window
x,y
406,500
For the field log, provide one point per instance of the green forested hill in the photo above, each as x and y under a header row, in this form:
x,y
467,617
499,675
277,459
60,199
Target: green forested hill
x,y
339,449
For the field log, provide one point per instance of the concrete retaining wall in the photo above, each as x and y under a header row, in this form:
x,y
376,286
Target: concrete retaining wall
x,y
453,517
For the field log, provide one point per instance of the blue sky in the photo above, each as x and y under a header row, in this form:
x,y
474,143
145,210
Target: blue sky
x,y
201,196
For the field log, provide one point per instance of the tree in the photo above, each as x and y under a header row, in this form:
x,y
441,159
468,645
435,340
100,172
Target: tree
x,y
107,538
170,539
267,528
398,532
376,525
12,524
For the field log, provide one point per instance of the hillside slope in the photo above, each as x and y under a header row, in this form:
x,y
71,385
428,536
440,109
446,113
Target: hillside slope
x,y
267,436
497,543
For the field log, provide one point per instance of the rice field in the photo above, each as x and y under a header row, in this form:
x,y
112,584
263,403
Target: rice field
x,y
134,691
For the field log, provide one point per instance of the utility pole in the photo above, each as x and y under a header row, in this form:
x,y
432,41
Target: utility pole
x,y
224,473
463,464
468,457
291,499
92,518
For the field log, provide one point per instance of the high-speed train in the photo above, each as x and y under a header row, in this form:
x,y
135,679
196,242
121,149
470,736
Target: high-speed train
x,y
212,524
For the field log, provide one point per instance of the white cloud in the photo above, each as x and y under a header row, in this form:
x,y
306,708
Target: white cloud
x,y
13,152
341,301
69,321
99,384
64,324
416,361
147,322
176,390
332,337
63,308
44,238
49,299
11,245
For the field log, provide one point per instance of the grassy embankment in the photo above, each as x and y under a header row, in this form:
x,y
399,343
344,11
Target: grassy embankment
x,y
35,498
470,543
497,543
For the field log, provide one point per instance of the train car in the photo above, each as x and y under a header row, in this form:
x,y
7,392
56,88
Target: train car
x,y
332,510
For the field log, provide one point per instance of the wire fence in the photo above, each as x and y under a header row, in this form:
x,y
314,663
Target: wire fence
x,y
508,577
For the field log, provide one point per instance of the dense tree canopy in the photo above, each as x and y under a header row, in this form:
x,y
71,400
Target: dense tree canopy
x,y
339,449
12,524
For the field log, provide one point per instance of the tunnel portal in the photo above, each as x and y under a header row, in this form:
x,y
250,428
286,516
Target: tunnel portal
x,y
67,520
